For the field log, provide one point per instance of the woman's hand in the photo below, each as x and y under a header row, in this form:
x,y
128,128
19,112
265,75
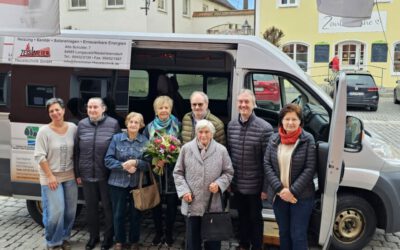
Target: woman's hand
x,y
130,166
287,196
160,163
187,197
213,187
264,195
52,182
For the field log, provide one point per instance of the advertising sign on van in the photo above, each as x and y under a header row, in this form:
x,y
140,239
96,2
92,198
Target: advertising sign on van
x,y
6,49
23,166
72,52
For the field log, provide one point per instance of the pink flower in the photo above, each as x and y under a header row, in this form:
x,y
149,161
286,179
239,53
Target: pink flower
x,y
157,141
172,148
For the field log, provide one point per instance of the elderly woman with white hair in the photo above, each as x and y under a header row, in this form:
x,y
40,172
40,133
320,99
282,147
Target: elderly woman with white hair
x,y
203,167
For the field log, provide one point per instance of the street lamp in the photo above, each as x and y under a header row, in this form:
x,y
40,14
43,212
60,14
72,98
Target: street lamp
x,y
246,28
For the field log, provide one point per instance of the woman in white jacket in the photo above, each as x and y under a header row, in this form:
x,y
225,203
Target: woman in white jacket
x,y
203,167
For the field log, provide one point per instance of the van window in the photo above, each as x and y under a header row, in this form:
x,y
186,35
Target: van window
x,y
364,80
92,87
3,88
138,83
273,91
37,95
188,83
217,88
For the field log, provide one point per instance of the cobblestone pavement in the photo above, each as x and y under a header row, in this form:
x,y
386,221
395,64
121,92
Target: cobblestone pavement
x,y
19,231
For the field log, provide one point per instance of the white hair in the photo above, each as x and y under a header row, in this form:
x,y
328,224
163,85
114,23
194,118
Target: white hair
x,y
205,124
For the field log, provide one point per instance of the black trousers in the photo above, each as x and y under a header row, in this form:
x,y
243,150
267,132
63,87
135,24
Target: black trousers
x,y
170,215
250,220
94,192
193,235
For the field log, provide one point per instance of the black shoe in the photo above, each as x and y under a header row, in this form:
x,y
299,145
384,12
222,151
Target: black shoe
x,y
169,241
106,244
92,243
156,240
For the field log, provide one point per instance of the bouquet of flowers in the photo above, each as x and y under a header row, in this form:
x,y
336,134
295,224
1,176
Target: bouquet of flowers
x,y
164,147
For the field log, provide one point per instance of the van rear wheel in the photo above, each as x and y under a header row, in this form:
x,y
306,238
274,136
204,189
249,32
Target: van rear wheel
x,y
355,223
35,210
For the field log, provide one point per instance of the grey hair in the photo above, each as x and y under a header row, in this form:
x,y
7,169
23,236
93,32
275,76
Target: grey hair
x,y
54,100
100,100
205,124
204,95
249,92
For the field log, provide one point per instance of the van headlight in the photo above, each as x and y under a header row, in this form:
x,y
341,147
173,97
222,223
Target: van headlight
x,y
383,149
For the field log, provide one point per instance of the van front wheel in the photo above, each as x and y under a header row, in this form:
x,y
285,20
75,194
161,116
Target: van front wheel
x,y
355,223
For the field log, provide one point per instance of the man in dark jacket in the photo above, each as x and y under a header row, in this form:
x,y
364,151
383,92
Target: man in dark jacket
x,y
247,140
92,139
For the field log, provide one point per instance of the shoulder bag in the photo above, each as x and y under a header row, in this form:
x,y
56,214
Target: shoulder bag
x,y
146,197
216,226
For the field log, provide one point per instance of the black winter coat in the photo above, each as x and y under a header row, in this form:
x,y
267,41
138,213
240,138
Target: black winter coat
x,y
302,167
246,145
91,144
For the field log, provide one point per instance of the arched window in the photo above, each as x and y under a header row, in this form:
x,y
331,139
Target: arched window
x,y
396,58
299,53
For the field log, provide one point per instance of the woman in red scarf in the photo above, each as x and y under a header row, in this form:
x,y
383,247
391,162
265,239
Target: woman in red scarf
x,y
289,164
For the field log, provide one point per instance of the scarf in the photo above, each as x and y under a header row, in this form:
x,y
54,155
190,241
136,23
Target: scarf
x,y
169,127
289,138
202,148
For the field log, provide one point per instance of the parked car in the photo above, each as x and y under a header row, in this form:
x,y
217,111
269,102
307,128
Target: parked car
x,y
266,90
396,93
362,91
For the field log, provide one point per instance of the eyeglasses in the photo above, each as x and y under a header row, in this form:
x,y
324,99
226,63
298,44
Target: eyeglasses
x,y
197,104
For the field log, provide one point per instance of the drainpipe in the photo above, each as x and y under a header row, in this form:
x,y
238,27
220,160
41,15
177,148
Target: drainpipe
x,y
173,16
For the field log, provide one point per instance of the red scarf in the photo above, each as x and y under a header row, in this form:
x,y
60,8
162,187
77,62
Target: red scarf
x,y
289,138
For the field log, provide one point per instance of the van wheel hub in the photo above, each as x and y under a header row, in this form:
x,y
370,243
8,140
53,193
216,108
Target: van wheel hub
x,y
349,224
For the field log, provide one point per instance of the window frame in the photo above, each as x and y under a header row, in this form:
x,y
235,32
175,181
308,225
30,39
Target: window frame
x,y
287,5
27,103
187,9
295,44
115,6
78,7
393,68
5,87
164,7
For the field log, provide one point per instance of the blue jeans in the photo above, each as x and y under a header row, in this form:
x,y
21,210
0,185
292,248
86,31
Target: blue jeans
x,y
121,198
59,209
293,220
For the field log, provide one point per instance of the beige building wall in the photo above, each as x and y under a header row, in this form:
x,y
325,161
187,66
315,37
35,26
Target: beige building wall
x,y
302,24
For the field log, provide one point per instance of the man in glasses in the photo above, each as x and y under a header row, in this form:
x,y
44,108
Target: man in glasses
x,y
199,105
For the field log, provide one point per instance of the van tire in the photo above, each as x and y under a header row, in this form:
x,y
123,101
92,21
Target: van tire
x,y
35,210
395,98
355,223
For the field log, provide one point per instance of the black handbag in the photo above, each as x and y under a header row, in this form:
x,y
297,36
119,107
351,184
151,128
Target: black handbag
x,y
216,226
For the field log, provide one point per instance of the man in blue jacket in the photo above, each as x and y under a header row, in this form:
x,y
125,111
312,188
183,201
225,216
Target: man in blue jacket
x,y
248,136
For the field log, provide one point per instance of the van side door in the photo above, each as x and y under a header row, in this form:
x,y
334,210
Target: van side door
x,y
334,163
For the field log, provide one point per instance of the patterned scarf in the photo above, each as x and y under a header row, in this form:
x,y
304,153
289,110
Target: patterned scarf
x,y
169,127
289,138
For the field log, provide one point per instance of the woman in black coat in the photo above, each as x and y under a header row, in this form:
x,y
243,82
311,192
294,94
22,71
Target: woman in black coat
x,y
289,164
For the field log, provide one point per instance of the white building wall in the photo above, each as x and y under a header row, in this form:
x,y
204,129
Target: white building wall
x,y
132,18
97,17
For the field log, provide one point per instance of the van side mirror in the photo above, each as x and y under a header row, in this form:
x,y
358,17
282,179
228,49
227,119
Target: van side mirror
x,y
353,134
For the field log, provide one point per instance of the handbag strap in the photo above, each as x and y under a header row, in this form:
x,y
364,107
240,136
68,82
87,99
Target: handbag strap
x,y
153,179
209,201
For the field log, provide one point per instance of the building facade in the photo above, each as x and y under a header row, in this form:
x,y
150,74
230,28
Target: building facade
x,y
312,39
166,16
